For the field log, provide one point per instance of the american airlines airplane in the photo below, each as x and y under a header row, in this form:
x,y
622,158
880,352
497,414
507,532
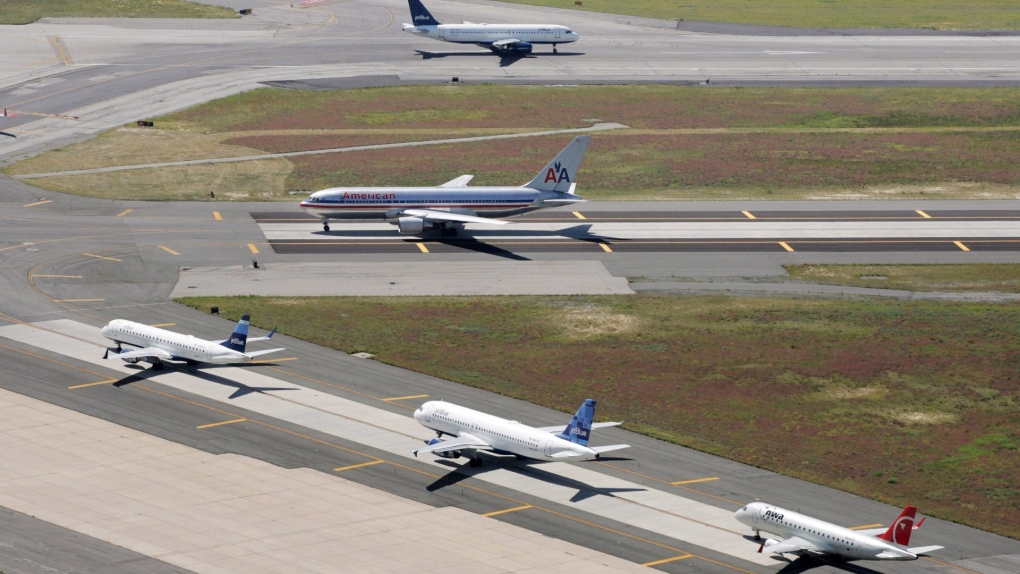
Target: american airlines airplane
x,y
414,210
503,39
158,345
804,535
473,431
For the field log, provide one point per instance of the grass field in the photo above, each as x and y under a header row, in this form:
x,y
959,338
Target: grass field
x,y
1003,278
684,143
905,402
956,15
28,11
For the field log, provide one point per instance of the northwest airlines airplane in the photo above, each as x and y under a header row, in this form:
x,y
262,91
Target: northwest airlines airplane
x,y
803,535
473,431
158,345
451,205
503,39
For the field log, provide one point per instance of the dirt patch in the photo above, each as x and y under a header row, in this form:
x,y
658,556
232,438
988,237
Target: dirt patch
x,y
923,418
591,321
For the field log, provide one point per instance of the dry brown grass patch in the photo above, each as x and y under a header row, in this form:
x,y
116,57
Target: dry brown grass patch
x,y
591,321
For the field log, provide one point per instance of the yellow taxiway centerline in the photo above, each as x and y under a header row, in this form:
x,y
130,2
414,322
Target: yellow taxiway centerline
x,y
785,246
211,425
578,215
353,466
38,203
125,212
422,247
605,248
216,215
515,509
748,215
922,214
106,382
679,482
168,250
252,248
673,559
163,325
405,398
961,246
58,276
102,257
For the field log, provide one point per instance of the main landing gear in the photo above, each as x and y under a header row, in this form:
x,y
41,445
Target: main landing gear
x,y
448,231
757,536
325,224
555,51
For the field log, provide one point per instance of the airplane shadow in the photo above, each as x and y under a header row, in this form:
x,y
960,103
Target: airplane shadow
x,y
504,60
241,388
808,562
460,472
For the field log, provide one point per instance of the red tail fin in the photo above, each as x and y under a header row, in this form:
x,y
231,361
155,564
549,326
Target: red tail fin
x,y
899,530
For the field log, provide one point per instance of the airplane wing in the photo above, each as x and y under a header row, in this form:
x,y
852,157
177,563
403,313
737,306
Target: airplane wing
x,y
924,549
462,442
792,544
433,215
458,181
145,353
594,426
266,352
506,42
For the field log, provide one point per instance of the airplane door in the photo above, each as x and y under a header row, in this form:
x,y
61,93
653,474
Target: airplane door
x,y
442,33
754,515
548,448
427,414
859,548
557,32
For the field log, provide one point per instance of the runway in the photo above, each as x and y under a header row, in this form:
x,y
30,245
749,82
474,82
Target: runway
x,y
70,264
594,232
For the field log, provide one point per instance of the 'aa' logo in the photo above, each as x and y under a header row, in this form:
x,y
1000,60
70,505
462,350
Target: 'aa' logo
x,y
556,174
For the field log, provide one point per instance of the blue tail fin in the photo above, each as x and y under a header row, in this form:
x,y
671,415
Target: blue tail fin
x,y
239,337
420,15
579,429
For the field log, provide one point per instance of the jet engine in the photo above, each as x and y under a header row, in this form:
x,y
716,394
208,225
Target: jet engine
x,y
410,225
513,48
449,454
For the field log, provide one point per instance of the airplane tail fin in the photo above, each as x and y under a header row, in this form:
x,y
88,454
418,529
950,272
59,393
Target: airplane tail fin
x,y
579,429
562,170
239,337
420,15
899,531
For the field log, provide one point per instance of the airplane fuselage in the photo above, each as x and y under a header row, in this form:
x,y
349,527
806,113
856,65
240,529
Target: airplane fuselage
x,y
389,202
829,538
505,436
181,347
486,34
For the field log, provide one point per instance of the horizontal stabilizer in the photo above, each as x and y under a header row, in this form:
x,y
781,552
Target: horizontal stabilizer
x,y
461,181
558,428
924,549
566,454
562,201
434,215
608,448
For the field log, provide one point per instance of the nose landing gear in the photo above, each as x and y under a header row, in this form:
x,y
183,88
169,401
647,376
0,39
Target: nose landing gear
x,y
325,224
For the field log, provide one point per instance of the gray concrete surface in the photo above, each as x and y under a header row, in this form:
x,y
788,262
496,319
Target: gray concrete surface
x,y
813,290
388,279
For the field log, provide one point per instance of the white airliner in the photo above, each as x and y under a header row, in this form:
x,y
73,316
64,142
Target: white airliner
x,y
158,345
805,535
451,205
473,431
503,39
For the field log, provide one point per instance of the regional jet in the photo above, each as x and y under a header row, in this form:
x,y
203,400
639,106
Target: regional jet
x,y
503,39
157,345
805,535
473,431
414,210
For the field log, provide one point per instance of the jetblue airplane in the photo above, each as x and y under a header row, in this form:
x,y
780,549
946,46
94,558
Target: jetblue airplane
x,y
473,431
158,345
503,39
451,205
804,535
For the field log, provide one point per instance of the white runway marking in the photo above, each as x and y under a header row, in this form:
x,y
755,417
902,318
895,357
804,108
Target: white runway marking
x,y
653,510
